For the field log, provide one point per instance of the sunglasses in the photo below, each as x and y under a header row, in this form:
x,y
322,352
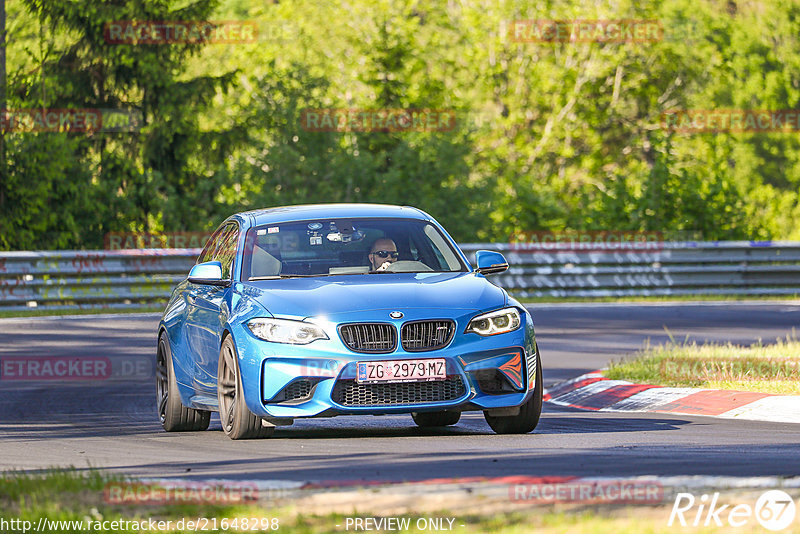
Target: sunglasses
x,y
386,253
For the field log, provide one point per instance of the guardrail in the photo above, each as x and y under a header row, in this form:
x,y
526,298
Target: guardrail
x,y
112,279
137,279
664,269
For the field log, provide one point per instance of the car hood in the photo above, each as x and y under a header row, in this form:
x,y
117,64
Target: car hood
x,y
341,295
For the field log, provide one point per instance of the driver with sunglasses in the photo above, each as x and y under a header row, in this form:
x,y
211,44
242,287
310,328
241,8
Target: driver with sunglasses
x,y
382,254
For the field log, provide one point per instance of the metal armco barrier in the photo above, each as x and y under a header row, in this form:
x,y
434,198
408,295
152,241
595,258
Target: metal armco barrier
x,y
661,269
132,279
113,279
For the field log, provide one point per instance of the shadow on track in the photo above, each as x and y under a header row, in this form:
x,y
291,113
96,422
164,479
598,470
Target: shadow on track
x,y
410,467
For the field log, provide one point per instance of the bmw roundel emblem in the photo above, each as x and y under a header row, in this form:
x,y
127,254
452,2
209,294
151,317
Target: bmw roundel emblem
x,y
396,315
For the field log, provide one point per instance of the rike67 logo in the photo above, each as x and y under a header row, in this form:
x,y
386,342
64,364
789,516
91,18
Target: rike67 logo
x,y
774,510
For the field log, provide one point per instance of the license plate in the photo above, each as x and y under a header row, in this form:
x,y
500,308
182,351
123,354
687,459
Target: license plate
x,y
402,371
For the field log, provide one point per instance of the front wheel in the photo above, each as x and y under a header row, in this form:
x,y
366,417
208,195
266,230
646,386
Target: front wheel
x,y
238,422
174,416
529,413
434,419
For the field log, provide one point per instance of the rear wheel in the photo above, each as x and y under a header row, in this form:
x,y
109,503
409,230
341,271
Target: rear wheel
x,y
433,419
238,422
174,416
529,413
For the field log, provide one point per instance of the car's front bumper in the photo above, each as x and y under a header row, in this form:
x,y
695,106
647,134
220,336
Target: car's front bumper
x,y
318,379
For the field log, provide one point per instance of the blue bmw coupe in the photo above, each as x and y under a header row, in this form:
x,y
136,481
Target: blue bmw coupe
x,y
343,309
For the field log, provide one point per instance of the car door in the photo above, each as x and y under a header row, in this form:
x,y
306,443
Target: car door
x,y
208,314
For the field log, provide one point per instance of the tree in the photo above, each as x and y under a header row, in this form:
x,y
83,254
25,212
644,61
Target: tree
x,y
150,179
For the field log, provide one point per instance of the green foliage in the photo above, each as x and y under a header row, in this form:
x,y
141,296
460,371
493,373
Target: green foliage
x,y
35,184
549,135
74,187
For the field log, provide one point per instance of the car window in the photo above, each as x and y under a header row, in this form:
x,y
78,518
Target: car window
x,y
342,246
225,251
444,253
208,251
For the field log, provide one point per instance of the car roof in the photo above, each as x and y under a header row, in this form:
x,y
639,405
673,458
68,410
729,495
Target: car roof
x,y
332,211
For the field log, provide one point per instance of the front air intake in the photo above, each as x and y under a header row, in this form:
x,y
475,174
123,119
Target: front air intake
x,y
372,338
350,393
418,336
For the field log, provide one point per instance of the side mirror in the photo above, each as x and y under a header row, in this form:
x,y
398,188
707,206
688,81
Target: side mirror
x,y
208,273
490,262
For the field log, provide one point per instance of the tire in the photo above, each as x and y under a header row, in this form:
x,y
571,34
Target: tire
x,y
174,416
529,413
433,419
238,422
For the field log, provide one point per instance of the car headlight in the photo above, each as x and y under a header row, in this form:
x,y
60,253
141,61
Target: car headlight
x,y
496,322
286,331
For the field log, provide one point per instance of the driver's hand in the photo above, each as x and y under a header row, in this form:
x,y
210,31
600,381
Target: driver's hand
x,y
385,266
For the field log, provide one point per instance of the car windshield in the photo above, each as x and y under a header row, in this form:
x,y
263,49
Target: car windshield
x,y
325,247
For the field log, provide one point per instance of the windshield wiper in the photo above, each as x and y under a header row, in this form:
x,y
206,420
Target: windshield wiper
x,y
408,272
281,276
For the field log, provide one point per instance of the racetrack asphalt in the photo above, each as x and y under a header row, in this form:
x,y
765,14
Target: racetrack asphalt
x,y
111,424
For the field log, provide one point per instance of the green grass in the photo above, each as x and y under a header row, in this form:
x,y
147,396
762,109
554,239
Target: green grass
x,y
761,368
71,495
621,520
33,312
16,486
